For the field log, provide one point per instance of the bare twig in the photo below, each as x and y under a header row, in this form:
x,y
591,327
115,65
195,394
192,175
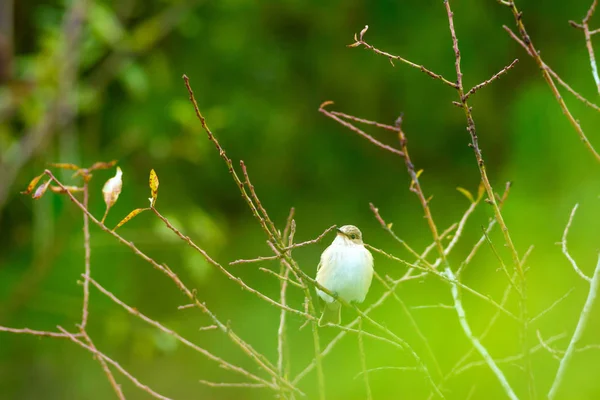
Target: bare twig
x,y
234,385
533,52
245,347
565,249
111,379
87,250
548,309
588,41
551,72
115,364
581,324
222,363
360,132
363,361
33,332
493,78
359,41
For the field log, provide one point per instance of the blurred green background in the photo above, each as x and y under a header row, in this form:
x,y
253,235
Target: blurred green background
x,y
101,80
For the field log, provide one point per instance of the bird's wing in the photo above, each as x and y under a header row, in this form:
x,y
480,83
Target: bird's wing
x,y
324,255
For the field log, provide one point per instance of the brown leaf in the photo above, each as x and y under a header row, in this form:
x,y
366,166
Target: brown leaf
x,y
32,184
65,166
41,190
153,186
103,165
129,216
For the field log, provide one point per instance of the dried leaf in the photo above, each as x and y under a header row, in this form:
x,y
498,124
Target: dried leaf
x,y
153,186
41,190
65,166
129,216
112,189
32,184
466,193
72,189
103,165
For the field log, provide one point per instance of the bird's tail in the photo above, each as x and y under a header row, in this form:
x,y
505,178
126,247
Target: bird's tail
x,y
332,312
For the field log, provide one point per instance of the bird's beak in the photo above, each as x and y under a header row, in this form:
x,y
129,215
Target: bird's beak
x,y
339,230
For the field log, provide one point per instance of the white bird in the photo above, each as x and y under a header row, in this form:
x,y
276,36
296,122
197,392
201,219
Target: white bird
x,y
346,269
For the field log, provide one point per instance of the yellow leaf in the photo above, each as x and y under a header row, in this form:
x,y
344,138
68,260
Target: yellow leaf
x,y
466,193
32,184
389,226
153,186
480,190
129,216
65,166
41,190
419,172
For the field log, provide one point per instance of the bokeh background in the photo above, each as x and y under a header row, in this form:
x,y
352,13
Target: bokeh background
x,y
98,80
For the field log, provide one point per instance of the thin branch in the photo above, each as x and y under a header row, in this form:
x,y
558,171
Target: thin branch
x,y
533,52
551,72
229,275
548,309
358,131
363,361
510,359
260,359
284,278
286,248
87,250
493,78
588,43
27,331
232,385
360,42
565,249
115,364
581,324
498,215
556,354
222,363
111,379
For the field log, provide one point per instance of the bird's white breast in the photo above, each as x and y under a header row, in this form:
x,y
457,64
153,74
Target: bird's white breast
x,y
347,271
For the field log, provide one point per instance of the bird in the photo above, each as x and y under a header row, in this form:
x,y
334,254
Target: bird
x,y
345,269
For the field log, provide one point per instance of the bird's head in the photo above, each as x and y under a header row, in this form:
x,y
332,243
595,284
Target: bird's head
x,y
349,234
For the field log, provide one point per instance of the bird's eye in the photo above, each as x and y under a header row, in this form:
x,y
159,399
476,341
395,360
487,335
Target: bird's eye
x,y
353,236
